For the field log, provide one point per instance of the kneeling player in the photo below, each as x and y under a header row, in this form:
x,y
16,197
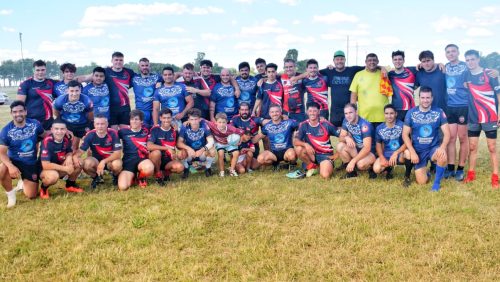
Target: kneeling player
x,y
421,136
57,160
312,144
135,153
356,146
106,152
280,133
246,161
161,144
196,143
390,147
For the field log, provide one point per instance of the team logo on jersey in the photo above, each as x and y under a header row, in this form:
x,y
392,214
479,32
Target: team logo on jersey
x,y
73,108
226,91
230,103
279,138
148,92
20,134
170,91
196,144
244,96
104,102
394,145
450,82
425,131
172,102
72,118
364,128
27,145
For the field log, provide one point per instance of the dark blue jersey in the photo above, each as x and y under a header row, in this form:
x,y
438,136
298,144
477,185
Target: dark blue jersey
x,y
164,138
224,99
437,82
212,80
75,113
390,137
458,96
39,97
483,102
248,90
281,134
318,136
359,131
119,84
144,88
339,83
252,124
270,93
317,90
21,141
425,127
99,95
60,88
195,139
200,102
101,147
53,151
403,85
172,97
134,143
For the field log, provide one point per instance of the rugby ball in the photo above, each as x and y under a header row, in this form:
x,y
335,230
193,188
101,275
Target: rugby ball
x,y
233,140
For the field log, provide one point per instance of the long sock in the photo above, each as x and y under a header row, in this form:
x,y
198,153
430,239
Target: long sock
x,y
451,167
439,174
460,167
44,188
70,183
11,198
408,166
209,162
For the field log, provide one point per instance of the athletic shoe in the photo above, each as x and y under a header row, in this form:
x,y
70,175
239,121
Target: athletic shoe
x,y
95,181
44,194
298,174
494,181
371,174
459,175
142,182
208,172
389,175
221,174
350,175
453,174
159,178
233,172
276,167
250,170
192,170
311,172
115,180
166,178
471,176
185,173
446,174
73,189
435,187
406,182
343,166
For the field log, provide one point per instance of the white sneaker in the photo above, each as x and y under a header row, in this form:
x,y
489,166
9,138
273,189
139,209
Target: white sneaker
x,y
221,173
11,198
20,185
233,172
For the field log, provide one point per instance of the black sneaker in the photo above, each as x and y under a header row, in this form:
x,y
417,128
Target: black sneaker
x,y
115,180
350,175
208,172
185,174
343,166
389,175
406,182
372,174
95,181
166,178
159,181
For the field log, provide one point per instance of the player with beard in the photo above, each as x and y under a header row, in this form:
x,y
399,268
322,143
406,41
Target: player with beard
x,y
293,92
198,88
247,85
144,88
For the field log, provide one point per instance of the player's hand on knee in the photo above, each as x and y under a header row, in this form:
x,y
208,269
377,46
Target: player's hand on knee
x,y
350,167
14,172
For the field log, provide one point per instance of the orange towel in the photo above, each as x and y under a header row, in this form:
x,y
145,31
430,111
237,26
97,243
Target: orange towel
x,y
385,86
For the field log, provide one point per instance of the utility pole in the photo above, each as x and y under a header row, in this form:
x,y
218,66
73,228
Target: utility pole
x,y
22,56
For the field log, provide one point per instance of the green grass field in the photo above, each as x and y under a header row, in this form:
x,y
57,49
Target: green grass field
x,y
261,226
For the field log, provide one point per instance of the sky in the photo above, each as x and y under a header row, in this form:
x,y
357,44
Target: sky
x,y
233,31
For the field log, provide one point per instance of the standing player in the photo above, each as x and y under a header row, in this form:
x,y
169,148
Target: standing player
x,y
260,66
483,114
171,95
356,145
271,92
37,93
68,73
136,163
402,82
56,156
316,88
390,147
280,133
223,98
430,75
106,150
98,93
76,110
206,73
161,144
198,88
293,92
247,85
197,143
18,153
421,137
312,144
144,88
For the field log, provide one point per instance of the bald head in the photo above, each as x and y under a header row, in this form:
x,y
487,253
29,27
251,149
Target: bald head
x,y
225,76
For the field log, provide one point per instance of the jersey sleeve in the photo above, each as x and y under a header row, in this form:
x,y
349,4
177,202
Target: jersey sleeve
x,y
332,129
39,129
153,137
156,95
378,137
115,140
408,120
86,142
4,140
213,95
366,130
23,88
442,117
264,130
58,103
494,85
294,125
260,92
302,132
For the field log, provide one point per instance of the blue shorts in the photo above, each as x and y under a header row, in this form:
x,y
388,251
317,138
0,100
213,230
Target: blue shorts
x,y
148,118
425,157
322,157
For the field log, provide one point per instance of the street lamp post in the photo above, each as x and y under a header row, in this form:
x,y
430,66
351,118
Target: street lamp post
x,y
22,56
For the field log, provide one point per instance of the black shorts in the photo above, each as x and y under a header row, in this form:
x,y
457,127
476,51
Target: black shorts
x,y
457,115
29,172
165,159
132,164
401,115
337,117
79,130
490,130
280,155
119,115
257,150
375,124
46,124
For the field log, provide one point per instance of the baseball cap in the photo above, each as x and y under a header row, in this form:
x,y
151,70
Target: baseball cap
x,y
339,53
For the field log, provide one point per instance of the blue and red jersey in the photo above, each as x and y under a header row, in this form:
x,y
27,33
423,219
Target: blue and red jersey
x,y
270,93
293,95
134,143
483,101
75,113
101,147
99,95
195,139
172,97
318,136
224,99
164,138
360,130
252,124
21,141
39,97
212,80
200,102
53,151
390,137
403,85
144,88
425,127
119,84
281,134
317,90
220,136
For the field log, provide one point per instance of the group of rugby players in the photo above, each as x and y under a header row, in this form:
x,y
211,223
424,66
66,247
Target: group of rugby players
x,y
184,121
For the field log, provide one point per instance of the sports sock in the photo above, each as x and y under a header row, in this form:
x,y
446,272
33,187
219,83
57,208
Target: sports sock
x,y
70,183
451,167
186,162
439,174
44,188
408,166
11,198
460,167
208,162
